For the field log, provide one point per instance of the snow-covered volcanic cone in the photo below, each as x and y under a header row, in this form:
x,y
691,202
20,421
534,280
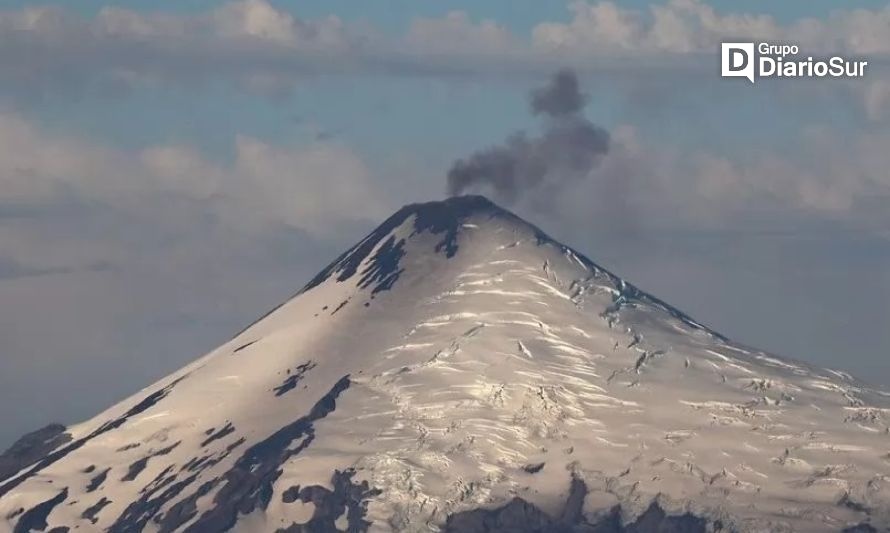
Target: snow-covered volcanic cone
x,y
459,370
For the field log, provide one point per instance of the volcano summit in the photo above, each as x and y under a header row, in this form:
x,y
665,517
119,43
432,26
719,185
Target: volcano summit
x,y
459,370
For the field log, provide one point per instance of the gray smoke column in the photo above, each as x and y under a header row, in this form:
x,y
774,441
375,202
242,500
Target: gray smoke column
x,y
569,148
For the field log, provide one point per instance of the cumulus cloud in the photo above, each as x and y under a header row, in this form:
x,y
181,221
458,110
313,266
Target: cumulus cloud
x,y
693,26
456,33
313,187
875,95
250,42
256,21
824,176
263,46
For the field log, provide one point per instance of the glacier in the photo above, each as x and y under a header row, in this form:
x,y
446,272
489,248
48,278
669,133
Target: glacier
x,y
460,370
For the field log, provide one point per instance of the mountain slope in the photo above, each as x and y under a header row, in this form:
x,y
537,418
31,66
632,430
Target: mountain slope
x,y
459,370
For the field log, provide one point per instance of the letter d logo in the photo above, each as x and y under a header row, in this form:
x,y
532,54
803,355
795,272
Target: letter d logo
x,y
737,60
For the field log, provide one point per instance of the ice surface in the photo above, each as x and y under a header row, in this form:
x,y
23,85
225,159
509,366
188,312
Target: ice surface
x,y
454,361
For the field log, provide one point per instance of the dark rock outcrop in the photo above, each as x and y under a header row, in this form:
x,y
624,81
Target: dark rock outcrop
x,y
58,451
35,517
31,448
347,497
520,516
246,487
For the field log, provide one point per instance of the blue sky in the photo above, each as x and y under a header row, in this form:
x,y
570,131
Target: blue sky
x,y
170,173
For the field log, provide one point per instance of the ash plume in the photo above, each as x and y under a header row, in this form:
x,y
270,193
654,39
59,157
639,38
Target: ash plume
x,y
569,148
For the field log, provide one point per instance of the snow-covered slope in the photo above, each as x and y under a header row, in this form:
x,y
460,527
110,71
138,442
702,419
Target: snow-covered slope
x,y
459,370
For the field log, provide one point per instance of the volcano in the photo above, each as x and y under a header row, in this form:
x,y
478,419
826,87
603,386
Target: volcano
x,y
459,370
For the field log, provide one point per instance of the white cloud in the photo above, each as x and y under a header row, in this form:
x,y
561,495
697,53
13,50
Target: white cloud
x,y
692,26
826,176
592,26
313,187
456,33
875,96
120,22
250,42
258,19
260,45
251,20
858,30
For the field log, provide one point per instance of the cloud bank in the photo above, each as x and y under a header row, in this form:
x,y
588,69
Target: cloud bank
x,y
255,43
313,188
